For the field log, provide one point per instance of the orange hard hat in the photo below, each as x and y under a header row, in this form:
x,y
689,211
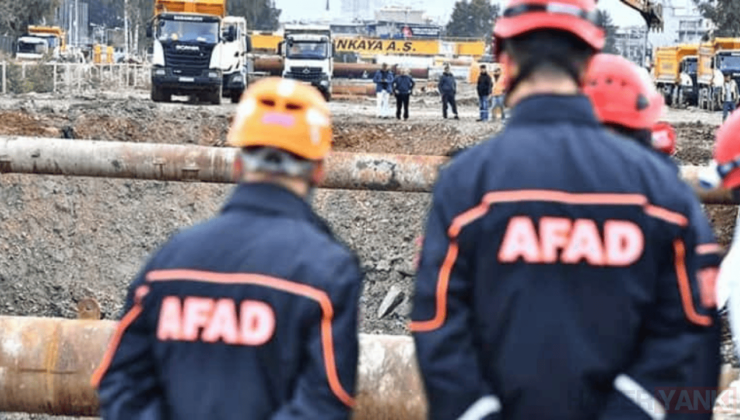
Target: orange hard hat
x,y
622,93
283,114
727,151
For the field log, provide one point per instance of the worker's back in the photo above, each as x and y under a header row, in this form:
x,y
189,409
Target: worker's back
x,y
559,239
242,312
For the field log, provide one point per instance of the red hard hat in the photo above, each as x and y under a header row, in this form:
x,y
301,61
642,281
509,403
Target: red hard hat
x,y
664,138
577,17
622,93
727,151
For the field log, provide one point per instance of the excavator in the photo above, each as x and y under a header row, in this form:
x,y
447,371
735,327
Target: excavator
x,y
651,11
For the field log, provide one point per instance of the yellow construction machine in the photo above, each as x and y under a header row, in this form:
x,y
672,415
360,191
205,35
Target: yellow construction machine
x,y
716,58
41,41
675,73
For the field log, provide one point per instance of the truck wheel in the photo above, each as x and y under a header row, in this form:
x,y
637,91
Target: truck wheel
x,y
157,94
327,95
681,98
215,96
236,96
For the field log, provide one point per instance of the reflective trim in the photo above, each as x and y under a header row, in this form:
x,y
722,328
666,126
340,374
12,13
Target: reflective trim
x,y
639,396
482,408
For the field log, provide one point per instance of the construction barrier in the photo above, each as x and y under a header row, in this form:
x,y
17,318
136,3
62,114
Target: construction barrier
x,y
168,162
47,364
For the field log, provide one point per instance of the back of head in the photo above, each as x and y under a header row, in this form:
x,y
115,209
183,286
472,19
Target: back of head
x,y
282,127
622,93
547,38
727,151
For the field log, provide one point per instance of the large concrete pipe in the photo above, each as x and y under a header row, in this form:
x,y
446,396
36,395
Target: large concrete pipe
x,y
365,89
367,71
270,65
46,365
168,162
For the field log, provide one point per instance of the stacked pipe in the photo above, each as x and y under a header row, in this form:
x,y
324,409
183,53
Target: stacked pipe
x,y
47,363
273,66
168,162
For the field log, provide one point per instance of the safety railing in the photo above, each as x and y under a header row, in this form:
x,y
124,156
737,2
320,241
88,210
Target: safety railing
x,y
71,78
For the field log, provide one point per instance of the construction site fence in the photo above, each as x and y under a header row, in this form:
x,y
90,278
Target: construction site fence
x,y
71,78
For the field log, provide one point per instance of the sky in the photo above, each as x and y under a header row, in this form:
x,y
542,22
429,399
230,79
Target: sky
x,y
296,9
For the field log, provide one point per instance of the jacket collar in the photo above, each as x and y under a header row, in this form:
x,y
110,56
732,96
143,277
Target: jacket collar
x,y
554,108
274,200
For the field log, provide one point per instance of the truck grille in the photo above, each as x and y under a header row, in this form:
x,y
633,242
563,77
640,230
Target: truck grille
x,y
188,62
304,73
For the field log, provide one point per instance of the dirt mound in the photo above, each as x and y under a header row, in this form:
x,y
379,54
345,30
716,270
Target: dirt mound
x,y
402,138
695,142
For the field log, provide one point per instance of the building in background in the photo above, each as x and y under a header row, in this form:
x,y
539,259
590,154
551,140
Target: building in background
x,y
631,43
357,9
72,16
683,23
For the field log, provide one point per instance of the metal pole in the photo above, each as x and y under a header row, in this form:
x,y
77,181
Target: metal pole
x,y
170,162
54,70
5,77
47,365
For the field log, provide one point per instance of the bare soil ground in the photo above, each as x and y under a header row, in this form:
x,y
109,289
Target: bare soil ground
x,y
63,239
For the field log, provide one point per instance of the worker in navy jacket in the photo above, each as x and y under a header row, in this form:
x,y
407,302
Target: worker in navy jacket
x,y
383,80
252,314
403,86
558,271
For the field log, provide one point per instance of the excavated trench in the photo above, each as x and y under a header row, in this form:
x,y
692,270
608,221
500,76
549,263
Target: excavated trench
x,y
63,239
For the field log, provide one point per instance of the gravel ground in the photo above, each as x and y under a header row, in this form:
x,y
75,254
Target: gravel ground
x,y
63,239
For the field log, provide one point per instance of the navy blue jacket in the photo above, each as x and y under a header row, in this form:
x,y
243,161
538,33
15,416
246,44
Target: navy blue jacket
x,y
447,84
558,275
383,82
403,84
236,317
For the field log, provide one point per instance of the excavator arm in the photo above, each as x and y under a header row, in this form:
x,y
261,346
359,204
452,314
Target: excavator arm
x,y
650,10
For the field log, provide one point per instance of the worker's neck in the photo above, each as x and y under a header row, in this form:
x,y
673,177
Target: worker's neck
x,y
296,185
543,86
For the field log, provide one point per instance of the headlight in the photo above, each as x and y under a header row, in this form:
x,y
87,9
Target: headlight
x,y
238,78
212,74
324,83
159,72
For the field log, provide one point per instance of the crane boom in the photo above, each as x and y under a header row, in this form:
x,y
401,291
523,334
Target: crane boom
x,y
651,11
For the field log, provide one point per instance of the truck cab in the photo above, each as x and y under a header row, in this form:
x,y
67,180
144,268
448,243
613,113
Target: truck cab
x,y
308,56
235,63
188,49
40,42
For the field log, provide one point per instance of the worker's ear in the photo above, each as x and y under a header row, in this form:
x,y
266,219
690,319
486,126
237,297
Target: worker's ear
x,y
238,170
319,174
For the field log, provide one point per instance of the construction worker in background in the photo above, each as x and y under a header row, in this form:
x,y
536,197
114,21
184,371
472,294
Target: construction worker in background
x,y
729,96
626,101
558,270
403,86
253,313
484,88
499,88
447,87
383,88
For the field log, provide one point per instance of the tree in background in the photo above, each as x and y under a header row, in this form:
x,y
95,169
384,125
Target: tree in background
x,y
260,14
16,15
604,19
725,14
473,19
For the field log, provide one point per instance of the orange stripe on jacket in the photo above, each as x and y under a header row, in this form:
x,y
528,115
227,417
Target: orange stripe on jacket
x,y
497,197
127,320
312,293
684,287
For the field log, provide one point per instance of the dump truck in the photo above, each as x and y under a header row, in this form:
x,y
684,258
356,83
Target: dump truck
x,y
41,41
716,57
189,51
308,53
675,73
